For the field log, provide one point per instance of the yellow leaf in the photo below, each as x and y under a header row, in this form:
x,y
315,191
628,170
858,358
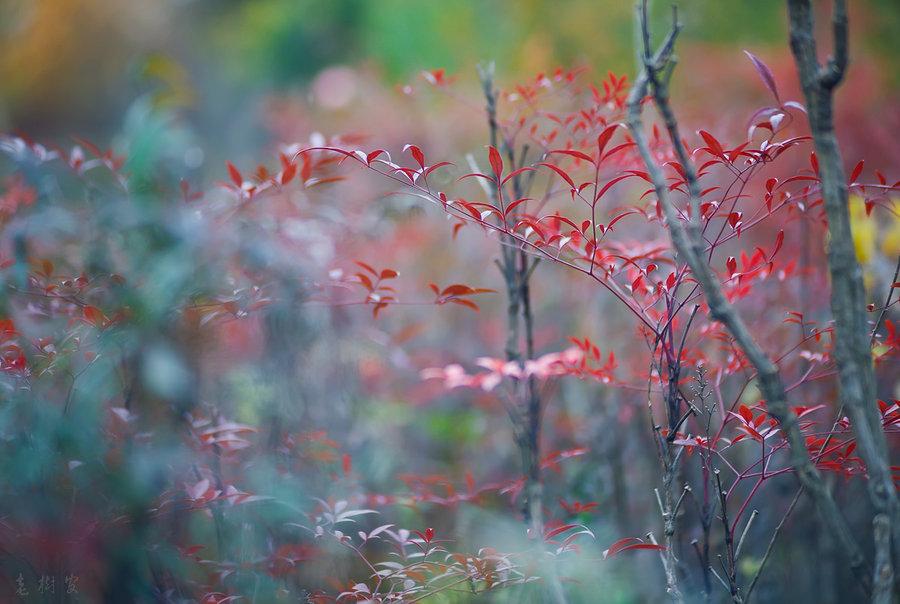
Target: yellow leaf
x,y
890,241
863,228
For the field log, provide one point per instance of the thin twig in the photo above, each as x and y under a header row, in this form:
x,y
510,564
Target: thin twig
x,y
887,301
772,541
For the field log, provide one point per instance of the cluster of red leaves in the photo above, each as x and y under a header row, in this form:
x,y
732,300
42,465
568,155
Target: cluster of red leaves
x,y
582,360
12,358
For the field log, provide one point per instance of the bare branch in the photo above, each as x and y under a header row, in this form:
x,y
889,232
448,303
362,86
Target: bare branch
x,y
852,341
772,541
887,301
833,72
884,570
689,245
740,545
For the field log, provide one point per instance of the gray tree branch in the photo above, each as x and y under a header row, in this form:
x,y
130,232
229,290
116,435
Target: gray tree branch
x,y
526,414
852,341
689,245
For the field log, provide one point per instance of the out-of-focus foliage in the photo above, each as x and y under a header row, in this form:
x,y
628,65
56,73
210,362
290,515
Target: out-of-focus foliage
x,y
211,372
66,64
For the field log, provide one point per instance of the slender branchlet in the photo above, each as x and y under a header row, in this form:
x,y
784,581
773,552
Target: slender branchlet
x,y
517,267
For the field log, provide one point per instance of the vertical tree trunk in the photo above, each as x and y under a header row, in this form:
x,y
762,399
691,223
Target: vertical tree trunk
x,y
852,339
690,246
526,413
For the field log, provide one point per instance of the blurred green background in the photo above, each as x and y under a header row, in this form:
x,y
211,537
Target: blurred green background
x,y
73,66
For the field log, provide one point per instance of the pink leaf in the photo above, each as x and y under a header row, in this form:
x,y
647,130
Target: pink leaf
x,y
765,73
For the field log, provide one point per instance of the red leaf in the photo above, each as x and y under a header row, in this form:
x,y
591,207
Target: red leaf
x,y
235,174
417,154
364,279
367,267
779,239
457,289
629,543
560,529
515,173
639,546
94,315
562,173
857,170
732,265
288,174
714,145
641,174
618,148
466,303
431,169
516,203
475,175
374,155
637,282
670,281
306,168
496,162
603,139
575,154
614,181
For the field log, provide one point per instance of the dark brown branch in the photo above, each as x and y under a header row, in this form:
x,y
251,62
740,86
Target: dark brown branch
x,y
689,245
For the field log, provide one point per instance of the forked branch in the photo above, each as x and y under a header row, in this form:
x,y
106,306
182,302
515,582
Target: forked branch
x,y
689,246
852,342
